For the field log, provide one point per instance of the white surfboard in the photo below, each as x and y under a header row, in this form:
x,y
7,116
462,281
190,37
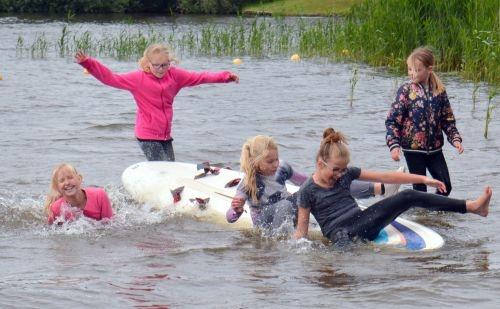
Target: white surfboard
x,y
159,183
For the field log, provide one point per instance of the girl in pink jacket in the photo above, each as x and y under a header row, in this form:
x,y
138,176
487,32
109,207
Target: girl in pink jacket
x,y
67,200
154,87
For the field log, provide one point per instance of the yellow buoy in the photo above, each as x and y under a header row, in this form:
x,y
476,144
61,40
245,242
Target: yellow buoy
x,y
85,71
237,61
295,57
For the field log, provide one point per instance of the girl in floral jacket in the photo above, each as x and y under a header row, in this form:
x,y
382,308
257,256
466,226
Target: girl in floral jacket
x,y
417,118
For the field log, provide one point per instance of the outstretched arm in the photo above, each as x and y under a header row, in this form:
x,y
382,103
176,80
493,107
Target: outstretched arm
x,y
397,177
128,81
186,78
302,223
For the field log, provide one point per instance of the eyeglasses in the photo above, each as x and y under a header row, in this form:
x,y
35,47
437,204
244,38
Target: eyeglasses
x,y
335,170
157,66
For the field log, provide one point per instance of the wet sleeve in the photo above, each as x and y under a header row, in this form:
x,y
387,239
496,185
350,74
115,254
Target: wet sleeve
x,y
186,78
448,122
394,120
128,81
298,178
231,215
106,210
304,197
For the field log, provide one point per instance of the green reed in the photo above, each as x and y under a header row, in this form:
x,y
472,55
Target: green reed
x,y
353,81
464,35
40,47
492,93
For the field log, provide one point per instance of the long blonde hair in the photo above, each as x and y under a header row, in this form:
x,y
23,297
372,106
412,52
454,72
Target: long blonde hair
x,y
426,57
253,152
333,144
155,49
54,193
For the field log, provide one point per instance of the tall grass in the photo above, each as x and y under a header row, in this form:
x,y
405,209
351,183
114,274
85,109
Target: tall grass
x,y
464,34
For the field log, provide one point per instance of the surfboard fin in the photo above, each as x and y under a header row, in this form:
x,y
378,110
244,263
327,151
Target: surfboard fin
x,y
176,193
205,166
202,203
232,183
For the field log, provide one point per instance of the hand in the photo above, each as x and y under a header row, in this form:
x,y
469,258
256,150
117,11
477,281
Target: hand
x,y
396,154
80,56
234,78
459,146
436,184
237,204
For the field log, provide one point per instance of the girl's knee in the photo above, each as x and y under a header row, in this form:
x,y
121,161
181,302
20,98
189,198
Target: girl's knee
x,y
408,194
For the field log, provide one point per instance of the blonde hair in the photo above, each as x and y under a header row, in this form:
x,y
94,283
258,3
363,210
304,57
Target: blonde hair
x,y
333,144
54,193
426,57
253,152
155,49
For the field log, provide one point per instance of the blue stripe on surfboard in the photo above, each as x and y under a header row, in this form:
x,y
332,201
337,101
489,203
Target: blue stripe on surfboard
x,y
413,240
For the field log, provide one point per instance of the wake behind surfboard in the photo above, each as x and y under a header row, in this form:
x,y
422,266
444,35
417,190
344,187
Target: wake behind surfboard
x,y
206,192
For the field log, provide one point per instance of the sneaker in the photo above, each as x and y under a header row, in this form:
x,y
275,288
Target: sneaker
x,y
391,189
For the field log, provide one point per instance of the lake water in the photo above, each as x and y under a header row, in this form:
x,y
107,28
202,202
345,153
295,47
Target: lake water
x,y
51,112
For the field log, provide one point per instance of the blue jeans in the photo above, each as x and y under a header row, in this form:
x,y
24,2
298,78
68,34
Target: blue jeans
x,y
157,150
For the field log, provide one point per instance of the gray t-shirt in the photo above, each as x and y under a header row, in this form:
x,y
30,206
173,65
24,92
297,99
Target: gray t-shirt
x,y
330,207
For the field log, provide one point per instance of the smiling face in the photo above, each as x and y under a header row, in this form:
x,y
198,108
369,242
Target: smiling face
x,y
159,63
328,172
269,164
418,72
68,183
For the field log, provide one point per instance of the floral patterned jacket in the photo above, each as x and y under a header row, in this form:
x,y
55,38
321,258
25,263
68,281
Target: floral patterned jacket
x,y
417,119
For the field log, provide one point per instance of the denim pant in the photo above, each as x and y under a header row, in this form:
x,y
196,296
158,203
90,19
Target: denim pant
x,y
157,150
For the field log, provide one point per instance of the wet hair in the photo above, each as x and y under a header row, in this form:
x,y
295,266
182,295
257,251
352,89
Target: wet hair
x,y
54,193
155,49
253,152
426,57
333,144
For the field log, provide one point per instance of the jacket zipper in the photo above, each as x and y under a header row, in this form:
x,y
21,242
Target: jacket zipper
x,y
163,106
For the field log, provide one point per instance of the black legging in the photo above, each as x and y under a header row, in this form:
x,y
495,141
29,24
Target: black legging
x,y
435,162
369,222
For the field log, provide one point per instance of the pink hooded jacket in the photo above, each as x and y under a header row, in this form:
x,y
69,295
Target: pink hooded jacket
x,y
154,96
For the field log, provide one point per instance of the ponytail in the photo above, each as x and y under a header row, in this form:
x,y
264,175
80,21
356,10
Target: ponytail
x,y
436,84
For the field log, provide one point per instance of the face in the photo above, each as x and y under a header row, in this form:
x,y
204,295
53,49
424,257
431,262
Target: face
x,y
269,165
159,64
417,72
68,184
331,170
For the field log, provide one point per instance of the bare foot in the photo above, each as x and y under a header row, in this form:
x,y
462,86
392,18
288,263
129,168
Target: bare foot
x,y
481,205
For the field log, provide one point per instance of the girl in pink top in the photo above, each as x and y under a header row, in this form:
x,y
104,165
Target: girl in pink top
x,y
154,87
67,201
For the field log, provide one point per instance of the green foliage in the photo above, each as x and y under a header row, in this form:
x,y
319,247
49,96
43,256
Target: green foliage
x,y
463,33
85,6
209,6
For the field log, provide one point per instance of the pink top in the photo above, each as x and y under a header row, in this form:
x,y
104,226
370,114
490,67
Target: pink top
x,y
154,96
97,207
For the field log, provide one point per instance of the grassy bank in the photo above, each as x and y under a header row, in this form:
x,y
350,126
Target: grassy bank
x,y
301,7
